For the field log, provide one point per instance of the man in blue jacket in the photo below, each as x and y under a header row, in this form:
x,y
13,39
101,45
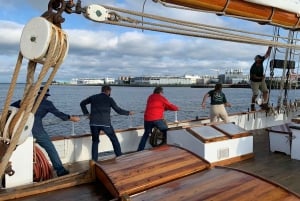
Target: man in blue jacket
x,y
42,137
99,116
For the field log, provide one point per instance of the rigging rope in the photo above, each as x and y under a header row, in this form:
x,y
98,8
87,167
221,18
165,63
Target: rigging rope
x,y
282,102
275,38
180,27
57,48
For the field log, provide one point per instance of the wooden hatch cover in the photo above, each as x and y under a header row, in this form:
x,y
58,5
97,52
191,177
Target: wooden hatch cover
x,y
207,134
218,184
136,172
231,130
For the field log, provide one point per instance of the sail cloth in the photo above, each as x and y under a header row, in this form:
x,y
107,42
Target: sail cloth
x,y
292,6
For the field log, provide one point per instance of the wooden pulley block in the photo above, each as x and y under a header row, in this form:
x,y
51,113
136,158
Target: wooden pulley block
x,y
36,38
27,127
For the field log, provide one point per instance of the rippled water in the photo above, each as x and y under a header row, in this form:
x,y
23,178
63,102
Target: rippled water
x,y
67,99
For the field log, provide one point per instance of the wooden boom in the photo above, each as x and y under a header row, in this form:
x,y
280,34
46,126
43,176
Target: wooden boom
x,y
242,9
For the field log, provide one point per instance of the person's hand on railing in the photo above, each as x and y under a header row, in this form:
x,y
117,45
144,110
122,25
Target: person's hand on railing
x,y
74,118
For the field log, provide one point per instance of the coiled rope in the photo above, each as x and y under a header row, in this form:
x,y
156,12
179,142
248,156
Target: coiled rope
x,y
42,169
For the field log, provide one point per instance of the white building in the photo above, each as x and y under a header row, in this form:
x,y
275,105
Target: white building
x,y
92,81
235,76
157,80
206,79
109,80
194,78
89,81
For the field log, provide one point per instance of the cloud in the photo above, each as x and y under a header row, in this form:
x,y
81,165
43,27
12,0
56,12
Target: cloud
x,y
99,50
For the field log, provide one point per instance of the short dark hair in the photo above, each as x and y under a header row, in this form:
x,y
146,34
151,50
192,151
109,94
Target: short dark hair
x,y
218,86
158,90
105,88
258,57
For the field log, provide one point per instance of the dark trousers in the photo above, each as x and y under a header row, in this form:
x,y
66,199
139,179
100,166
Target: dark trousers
x,y
43,139
148,126
109,131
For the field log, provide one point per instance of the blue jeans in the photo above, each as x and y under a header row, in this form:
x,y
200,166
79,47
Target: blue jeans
x,y
43,139
109,131
148,126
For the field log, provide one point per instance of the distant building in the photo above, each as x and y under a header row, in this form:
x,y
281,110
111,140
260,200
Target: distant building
x,y
234,76
158,80
109,80
194,78
206,79
89,81
92,81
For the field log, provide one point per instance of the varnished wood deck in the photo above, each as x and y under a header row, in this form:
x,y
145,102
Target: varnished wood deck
x,y
86,192
276,167
217,184
139,171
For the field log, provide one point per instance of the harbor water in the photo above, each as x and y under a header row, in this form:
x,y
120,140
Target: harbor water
x,y
67,99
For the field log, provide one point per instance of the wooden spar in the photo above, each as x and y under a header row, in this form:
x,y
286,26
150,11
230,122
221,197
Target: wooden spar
x,y
239,8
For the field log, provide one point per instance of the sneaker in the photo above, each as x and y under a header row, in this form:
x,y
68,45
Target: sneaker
x,y
62,173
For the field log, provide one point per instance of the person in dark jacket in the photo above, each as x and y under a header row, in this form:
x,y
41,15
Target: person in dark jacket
x,y
257,79
100,108
154,115
42,137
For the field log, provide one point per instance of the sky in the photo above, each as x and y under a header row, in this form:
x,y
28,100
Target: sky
x,y
99,50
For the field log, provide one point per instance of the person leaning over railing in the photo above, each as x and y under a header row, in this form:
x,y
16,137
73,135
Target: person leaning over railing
x,y
41,136
154,115
99,116
218,103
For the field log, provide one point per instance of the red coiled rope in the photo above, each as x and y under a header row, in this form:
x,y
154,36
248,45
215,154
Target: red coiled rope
x,y
42,169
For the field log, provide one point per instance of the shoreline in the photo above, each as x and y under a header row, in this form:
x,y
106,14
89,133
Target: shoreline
x,y
171,85
166,85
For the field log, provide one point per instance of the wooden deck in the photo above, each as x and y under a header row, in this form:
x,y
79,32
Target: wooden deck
x,y
92,192
276,167
217,184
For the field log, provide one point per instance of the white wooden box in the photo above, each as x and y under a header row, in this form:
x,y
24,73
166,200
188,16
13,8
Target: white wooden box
x,y
295,149
280,139
214,143
22,164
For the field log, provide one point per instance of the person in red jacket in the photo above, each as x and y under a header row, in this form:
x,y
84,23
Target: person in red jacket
x,y
154,115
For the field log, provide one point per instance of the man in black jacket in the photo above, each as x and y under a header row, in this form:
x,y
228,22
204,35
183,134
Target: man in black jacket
x,y
99,116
